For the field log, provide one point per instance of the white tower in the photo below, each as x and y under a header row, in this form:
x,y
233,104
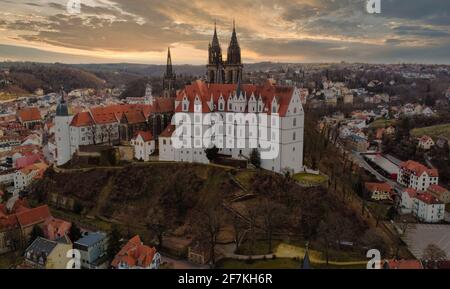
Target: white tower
x,y
62,132
148,98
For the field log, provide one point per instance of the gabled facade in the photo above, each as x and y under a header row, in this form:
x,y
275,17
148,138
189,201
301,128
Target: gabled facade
x,y
281,105
136,255
143,145
417,176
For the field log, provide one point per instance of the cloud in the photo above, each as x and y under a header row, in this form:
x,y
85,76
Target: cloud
x,y
306,30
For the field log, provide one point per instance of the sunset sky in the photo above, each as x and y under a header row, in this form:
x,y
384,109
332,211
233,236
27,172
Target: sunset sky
x,y
139,31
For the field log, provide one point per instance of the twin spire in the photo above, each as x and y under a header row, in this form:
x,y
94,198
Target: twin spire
x,y
220,71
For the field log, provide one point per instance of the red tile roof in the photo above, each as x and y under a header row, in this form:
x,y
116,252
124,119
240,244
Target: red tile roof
x,y
29,114
168,131
33,216
206,92
404,264
437,189
428,198
82,119
134,253
146,135
411,192
418,169
381,187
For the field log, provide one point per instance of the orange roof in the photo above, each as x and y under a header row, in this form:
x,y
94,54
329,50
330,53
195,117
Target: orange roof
x,y
134,117
437,189
411,192
418,169
82,119
404,264
146,135
134,253
33,216
168,131
425,138
205,92
428,198
29,114
382,187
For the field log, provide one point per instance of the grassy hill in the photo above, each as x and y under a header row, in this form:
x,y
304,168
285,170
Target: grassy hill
x,y
433,131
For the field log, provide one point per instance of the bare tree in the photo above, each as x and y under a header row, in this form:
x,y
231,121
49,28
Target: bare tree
x,y
239,228
271,214
158,223
210,224
432,252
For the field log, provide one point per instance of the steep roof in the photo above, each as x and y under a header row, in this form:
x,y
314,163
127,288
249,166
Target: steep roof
x,y
428,198
168,131
205,92
33,216
134,253
383,187
418,169
146,135
82,119
29,114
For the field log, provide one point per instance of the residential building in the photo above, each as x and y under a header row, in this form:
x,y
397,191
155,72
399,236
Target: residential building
x,y
166,149
379,191
136,255
48,254
402,264
24,176
93,249
143,145
425,142
417,176
442,194
428,208
29,117
407,200
16,224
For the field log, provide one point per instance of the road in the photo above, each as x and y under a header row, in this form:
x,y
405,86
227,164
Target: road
x,y
363,163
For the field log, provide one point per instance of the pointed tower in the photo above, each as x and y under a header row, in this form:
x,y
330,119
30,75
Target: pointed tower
x,y
62,132
233,66
215,67
169,78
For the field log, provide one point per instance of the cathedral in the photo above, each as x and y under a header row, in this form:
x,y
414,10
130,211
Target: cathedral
x,y
230,70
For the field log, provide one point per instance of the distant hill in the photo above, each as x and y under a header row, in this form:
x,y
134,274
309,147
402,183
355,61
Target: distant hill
x,y
26,77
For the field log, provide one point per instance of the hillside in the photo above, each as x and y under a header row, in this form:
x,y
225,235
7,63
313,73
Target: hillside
x,y
182,193
434,131
24,78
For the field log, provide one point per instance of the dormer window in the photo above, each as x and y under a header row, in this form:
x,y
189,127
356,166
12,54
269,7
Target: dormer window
x,y
274,108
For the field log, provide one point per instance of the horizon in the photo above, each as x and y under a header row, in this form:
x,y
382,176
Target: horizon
x,y
301,31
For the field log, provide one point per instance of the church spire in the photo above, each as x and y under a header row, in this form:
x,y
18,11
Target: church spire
x,y
169,78
169,70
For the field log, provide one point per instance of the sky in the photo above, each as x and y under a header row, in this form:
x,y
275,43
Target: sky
x,y
139,31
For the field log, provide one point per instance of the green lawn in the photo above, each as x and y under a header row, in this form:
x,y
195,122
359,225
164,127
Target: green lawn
x,y
259,248
433,131
381,123
278,263
310,179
